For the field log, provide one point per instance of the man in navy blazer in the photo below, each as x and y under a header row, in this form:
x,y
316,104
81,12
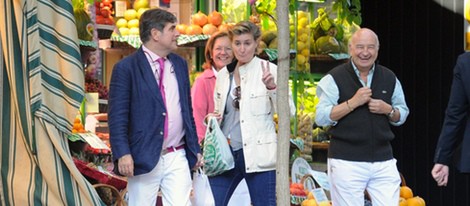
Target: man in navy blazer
x,y
152,130
456,128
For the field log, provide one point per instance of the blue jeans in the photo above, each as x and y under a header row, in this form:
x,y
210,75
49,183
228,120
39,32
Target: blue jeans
x,y
261,185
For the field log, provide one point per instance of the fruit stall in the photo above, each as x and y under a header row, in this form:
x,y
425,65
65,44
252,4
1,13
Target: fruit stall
x,y
319,31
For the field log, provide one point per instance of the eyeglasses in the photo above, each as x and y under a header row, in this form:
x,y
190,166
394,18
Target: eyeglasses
x,y
237,94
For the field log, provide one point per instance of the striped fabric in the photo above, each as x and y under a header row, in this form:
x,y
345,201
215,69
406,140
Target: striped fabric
x,y
42,86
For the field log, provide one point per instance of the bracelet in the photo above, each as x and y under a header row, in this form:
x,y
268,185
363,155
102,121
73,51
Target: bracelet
x,y
347,103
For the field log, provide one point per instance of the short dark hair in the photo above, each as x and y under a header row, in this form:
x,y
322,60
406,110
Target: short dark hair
x,y
154,19
245,27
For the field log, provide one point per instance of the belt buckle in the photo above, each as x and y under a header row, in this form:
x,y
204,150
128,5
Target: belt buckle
x,y
168,150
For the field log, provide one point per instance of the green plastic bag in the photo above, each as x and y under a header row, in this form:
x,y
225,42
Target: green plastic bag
x,y
217,154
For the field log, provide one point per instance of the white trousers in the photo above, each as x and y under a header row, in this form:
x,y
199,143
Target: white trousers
x,y
171,176
349,180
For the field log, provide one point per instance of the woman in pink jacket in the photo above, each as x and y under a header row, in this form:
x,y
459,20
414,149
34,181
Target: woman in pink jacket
x,y
218,53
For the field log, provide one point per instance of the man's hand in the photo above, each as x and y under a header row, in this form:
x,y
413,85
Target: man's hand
x,y
378,106
362,96
199,163
126,165
440,173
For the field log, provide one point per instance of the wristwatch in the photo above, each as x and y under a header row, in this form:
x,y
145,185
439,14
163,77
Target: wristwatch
x,y
391,113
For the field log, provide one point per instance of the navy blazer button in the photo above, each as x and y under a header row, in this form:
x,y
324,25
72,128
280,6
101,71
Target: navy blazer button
x,y
164,113
161,132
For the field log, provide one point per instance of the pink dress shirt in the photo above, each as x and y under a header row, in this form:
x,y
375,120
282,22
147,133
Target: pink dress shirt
x,y
175,120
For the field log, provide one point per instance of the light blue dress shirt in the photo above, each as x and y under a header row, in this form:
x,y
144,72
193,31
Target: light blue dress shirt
x,y
328,93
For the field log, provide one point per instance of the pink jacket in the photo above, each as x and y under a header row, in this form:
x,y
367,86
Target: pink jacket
x,y
202,94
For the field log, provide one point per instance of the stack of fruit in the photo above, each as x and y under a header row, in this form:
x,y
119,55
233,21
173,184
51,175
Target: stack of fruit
x,y
297,193
78,126
304,132
311,201
104,18
408,199
304,39
204,24
129,24
104,11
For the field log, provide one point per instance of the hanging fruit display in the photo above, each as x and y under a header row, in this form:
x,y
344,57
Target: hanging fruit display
x,y
104,12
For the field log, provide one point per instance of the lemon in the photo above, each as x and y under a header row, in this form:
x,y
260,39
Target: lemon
x,y
134,31
133,23
302,22
120,23
303,37
300,46
124,31
300,59
305,52
301,14
130,14
141,11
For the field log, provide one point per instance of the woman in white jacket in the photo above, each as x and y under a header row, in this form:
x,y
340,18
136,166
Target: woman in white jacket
x,y
245,99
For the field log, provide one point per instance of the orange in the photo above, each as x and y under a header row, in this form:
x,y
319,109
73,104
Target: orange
x,y
199,19
181,28
310,196
224,27
309,202
415,201
406,192
215,18
324,203
402,202
209,29
193,29
77,120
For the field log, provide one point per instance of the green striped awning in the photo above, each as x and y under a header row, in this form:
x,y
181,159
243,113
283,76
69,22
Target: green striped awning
x,y
42,86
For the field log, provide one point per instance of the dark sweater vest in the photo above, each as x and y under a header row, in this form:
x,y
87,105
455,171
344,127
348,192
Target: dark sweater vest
x,y
362,135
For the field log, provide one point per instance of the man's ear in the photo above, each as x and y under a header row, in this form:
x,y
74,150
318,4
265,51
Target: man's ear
x,y
155,34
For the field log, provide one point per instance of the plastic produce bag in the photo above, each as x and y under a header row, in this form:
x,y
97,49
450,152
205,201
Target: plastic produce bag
x,y
217,154
202,193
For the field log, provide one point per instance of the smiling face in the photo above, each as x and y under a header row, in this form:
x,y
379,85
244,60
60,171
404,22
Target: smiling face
x,y
244,47
221,52
364,49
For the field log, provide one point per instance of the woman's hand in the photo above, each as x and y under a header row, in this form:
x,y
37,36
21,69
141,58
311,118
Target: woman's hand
x,y
214,114
268,78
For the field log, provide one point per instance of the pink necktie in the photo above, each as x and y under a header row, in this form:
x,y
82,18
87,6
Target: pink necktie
x,y
161,62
